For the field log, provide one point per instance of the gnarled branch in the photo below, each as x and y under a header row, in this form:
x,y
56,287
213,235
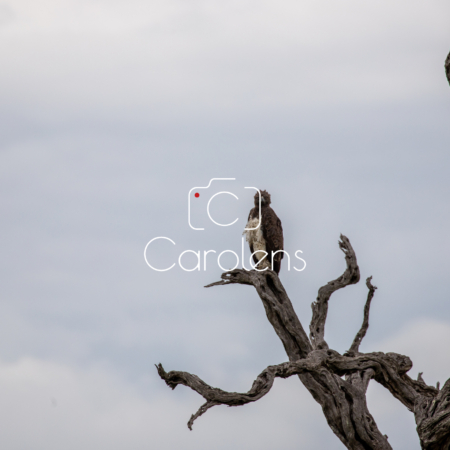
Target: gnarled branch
x,y
328,366
261,386
320,306
433,419
365,325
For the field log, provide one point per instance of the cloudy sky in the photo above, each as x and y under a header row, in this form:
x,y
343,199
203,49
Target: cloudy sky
x,y
111,111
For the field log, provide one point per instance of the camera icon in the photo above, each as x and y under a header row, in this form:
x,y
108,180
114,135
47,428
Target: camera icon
x,y
193,193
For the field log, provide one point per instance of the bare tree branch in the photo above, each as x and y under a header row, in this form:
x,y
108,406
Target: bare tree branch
x,y
328,366
365,325
201,411
447,67
318,361
261,386
320,306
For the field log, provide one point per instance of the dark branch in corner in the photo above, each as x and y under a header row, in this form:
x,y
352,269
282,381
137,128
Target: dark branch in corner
x,y
365,325
447,67
320,306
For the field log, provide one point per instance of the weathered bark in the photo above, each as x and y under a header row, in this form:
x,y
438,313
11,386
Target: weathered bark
x,y
432,415
321,369
320,306
362,332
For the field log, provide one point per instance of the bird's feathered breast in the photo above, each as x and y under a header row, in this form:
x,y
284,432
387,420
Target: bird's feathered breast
x,y
272,232
268,236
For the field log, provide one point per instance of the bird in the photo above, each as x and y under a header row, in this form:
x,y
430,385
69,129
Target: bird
x,y
265,236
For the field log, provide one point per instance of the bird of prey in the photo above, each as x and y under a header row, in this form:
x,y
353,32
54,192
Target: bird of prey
x,y
268,236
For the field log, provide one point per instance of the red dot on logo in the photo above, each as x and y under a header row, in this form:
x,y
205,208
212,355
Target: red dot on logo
x,y
197,195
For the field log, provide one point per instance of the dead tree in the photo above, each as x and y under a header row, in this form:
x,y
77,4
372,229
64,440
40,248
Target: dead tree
x,y
321,369
337,382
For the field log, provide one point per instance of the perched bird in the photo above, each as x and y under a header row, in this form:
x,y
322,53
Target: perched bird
x,y
268,236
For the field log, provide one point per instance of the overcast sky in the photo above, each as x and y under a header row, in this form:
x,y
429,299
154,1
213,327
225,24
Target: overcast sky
x,y
112,111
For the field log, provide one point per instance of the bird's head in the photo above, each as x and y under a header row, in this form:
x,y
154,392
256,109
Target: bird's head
x,y
265,199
